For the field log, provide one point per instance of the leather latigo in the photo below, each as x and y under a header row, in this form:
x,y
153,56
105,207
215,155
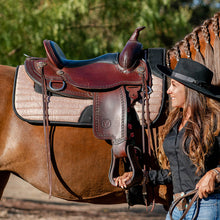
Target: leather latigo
x,y
155,100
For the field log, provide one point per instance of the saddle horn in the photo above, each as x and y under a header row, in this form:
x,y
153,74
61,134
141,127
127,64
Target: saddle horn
x,y
130,55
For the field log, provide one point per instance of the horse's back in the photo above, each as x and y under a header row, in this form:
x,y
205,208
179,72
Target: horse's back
x,y
6,87
6,77
6,84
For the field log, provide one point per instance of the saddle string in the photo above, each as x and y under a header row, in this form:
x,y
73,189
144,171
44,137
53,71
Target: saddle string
x,y
150,137
46,126
145,95
49,137
144,190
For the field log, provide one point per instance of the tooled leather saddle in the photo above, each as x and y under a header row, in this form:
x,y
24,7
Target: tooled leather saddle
x,y
114,81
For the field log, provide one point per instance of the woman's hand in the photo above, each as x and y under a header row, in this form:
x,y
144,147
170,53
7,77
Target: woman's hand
x,y
206,185
121,180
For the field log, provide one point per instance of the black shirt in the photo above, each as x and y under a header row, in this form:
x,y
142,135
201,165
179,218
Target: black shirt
x,y
183,171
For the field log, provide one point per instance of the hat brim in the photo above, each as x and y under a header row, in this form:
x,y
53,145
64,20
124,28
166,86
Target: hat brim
x,y
212,91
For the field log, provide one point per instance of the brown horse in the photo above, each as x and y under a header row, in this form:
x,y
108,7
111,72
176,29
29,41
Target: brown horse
x,y
82,161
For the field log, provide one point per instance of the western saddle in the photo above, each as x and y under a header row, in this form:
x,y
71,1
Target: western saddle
x,y
114,81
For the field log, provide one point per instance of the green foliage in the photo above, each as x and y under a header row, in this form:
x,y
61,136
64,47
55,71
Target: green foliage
x,y
165,24
88,28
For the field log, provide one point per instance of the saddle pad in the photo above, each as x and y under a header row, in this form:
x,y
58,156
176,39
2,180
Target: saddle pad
x,y
28,104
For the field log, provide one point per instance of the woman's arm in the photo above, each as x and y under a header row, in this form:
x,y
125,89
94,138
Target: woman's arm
x,y
206,185
156,177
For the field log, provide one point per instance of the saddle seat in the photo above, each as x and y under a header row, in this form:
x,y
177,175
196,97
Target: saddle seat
x,y
57,57
92,77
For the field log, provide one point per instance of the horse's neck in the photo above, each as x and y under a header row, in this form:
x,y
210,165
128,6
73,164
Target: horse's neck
x,y
202,45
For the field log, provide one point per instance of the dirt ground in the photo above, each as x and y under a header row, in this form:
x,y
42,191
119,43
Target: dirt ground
x,y
22,201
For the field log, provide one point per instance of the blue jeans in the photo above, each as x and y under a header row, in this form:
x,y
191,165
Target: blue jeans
x,y
209,209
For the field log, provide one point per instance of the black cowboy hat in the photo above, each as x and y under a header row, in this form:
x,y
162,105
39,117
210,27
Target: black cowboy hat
x,y
193,75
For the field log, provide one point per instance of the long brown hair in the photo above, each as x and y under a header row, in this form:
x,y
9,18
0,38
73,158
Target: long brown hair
x,y
202,127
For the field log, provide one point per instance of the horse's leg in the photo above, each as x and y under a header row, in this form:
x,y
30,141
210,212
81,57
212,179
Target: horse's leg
x,y
4,176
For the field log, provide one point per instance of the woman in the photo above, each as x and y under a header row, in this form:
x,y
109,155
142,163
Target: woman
x,y
189,144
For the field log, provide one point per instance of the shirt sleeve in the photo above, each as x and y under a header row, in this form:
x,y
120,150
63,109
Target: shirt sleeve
x,y
160,177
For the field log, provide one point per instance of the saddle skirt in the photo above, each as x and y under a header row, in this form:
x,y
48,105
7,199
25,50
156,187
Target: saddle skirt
x,y
28,104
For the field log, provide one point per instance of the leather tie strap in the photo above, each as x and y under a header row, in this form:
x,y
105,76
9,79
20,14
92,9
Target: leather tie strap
x,y
145,105
46,126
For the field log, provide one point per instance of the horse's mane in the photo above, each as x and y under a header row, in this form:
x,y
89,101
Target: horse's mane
x,y
202,45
